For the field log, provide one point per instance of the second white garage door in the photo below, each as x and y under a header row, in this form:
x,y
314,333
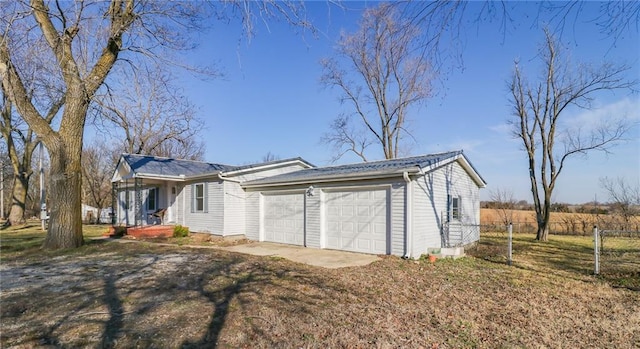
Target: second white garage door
x,y
357,220
284,218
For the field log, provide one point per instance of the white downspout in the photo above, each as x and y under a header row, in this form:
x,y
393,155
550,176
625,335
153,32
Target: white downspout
x,y
408,215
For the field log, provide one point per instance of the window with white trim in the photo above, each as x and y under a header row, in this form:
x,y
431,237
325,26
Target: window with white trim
x,y
199,202
454,207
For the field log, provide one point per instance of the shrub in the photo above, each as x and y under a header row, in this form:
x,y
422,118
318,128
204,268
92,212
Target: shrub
x,y
119,231
180,231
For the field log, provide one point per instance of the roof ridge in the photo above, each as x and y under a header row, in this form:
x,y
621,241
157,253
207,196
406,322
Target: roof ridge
x,y
387,160
176,159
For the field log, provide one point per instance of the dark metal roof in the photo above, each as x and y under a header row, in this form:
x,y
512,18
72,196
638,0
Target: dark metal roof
x,y
372,168
152,165
160,166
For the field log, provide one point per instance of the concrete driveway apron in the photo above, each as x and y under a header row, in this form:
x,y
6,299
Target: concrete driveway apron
x,y
312,256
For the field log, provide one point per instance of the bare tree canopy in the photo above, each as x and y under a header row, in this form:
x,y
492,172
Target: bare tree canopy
x,y
538,110
446,22
623,196
84,40
505,203
97,169
150,115
380,76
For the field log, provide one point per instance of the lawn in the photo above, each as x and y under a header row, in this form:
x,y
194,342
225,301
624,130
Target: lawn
x,y
109,294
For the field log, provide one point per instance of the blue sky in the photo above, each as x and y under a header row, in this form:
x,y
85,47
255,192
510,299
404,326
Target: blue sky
x,y
270,99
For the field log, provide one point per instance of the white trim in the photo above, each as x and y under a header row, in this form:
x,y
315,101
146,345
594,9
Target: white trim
x,y
180,178
342,178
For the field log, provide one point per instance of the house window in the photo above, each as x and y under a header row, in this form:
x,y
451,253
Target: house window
x,y
454,207
199,198
152,199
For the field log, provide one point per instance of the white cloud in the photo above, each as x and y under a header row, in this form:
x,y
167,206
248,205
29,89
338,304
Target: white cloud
x,y
587,120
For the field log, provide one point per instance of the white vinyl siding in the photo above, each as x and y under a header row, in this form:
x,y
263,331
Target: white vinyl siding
x,y
252,215
211,221
234,209
431,205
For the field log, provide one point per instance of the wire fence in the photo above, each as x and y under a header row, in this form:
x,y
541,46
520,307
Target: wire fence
x,y
620,253
616,259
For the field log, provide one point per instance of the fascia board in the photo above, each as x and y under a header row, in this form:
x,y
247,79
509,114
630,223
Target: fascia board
x,y
334,178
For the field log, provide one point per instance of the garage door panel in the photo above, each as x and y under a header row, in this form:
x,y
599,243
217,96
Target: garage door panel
x,y
284,218
366,231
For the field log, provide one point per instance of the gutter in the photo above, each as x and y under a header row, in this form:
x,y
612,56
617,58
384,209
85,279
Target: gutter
x,y
408,215
227,178
180,178
334,178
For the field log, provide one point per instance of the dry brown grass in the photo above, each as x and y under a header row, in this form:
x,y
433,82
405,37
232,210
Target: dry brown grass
x,y
149,296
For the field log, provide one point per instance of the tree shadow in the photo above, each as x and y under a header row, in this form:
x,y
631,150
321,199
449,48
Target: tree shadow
x,y
110,298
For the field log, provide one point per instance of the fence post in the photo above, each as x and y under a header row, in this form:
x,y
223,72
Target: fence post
x,y
510,244
596,250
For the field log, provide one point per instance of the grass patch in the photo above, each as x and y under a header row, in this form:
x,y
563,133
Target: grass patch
x,y
567,255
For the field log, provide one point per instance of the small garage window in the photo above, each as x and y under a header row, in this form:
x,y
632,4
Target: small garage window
x,y
454,207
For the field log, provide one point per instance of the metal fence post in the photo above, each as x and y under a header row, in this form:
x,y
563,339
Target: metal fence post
x,y
596,250
510,244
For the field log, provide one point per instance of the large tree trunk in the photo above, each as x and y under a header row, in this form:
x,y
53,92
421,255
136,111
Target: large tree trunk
x,y
65,183
18,198
544,217
65,220
543,231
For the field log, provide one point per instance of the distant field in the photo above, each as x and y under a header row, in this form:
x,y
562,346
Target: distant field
x,y
561,222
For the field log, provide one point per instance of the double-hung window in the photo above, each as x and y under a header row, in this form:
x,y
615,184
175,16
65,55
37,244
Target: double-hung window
x,y
454,207
199,202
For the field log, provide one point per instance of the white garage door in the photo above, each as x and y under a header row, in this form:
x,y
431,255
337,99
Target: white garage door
x,y
284,218
357,220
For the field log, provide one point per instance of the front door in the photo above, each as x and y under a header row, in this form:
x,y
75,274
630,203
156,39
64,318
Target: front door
x,y
171,194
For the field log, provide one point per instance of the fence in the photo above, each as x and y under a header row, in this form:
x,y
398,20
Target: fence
x,y
577,226
611,253
619,253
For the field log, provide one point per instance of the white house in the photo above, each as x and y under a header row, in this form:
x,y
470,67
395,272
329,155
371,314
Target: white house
x,y
402,206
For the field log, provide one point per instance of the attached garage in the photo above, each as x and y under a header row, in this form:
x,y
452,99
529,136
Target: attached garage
x,y
401,207
357,220
283,219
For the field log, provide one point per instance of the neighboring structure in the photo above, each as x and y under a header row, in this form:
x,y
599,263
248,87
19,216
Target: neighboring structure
x,y
402,207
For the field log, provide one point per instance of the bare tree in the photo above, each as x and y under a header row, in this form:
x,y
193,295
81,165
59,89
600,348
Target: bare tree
x,y
505,204
538,108
269,156
46,96
381,76
151,116
97,168
85,39
624,197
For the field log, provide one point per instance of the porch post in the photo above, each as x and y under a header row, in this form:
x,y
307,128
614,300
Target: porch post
x,y
138,200
114,201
